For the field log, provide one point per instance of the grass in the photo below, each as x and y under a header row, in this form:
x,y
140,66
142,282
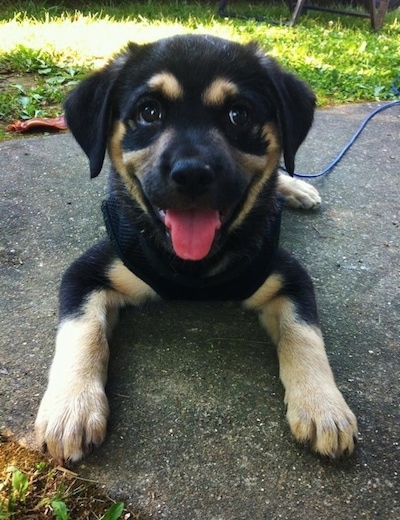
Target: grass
x,y
32,487
45,49
35,84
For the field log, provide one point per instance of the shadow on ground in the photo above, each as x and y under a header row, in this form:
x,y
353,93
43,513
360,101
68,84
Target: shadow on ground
x,y
197,428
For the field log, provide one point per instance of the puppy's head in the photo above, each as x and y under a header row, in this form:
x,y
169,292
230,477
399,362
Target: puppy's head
x,y
195,126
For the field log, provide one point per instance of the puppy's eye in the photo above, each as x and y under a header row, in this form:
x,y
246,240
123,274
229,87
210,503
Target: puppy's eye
x,y
239,115
149,112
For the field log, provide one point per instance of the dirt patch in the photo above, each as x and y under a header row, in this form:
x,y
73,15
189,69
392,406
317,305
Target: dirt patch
x,y
9,79
46,482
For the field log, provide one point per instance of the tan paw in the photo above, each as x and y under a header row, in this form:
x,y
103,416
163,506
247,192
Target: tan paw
x,y
297,193
71,421
323,421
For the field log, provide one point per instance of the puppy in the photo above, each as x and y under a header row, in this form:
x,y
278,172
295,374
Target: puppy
x,y
194,127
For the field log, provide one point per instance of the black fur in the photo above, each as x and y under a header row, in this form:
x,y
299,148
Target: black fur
x,y
114,93
194,126
110,93
87,274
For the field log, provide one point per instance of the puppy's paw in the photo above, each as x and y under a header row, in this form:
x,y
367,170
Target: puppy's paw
x,y
297,193
72,420
322,420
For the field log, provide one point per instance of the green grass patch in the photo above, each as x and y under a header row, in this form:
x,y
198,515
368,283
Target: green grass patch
x,y
36,84
47,48
33,487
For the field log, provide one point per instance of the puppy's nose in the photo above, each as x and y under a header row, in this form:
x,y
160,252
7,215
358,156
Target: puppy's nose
x,y
192,175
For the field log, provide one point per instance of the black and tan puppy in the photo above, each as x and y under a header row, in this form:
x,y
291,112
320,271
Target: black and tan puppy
x,y
195,127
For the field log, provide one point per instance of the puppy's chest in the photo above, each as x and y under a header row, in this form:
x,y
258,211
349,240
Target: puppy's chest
x,y
181,281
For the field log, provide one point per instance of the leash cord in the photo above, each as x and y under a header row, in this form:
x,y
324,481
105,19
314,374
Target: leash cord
x,y
337,159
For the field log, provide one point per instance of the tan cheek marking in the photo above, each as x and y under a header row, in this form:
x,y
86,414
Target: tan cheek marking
x,y
115,146
219,90
138,162
131,166
167,84
258,168
117,157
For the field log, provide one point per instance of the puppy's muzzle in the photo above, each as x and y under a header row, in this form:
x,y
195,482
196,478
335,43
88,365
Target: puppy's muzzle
x,y
192,177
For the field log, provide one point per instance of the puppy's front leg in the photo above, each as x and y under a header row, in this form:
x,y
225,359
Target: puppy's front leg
x,y
74,410
73,413
316,410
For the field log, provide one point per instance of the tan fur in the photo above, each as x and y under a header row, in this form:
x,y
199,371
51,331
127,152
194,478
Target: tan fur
x,y
131,165
218,92
126,283
115,147
138,162
265,293
73,413
79,370
259,169
167,84
316,410
297,193
76,382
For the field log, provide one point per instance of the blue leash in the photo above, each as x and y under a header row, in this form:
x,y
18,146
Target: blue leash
x,y
353,139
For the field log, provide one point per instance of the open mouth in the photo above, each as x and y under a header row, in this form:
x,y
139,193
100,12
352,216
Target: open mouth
x,y
192,231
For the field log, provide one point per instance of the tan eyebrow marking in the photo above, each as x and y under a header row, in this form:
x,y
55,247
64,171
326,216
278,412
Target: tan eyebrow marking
x,y
167,84
219,90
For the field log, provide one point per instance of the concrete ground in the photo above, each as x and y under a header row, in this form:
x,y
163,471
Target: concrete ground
x,y
197,427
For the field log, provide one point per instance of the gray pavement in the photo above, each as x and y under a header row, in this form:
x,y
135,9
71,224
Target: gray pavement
x,y
197,427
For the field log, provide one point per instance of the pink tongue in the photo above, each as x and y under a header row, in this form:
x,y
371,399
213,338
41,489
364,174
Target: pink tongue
x,y
192,231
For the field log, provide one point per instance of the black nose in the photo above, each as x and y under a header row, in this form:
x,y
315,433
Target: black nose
x,y
192,175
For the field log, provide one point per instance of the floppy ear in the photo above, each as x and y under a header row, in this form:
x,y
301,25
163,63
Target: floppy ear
x,y
296,105
296,116
88,114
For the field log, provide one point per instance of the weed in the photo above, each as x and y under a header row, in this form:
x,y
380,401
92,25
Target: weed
x,y
18,489
32,487
114,512
18,484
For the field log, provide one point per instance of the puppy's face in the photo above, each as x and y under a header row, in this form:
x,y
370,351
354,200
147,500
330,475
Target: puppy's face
x,y
195,126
